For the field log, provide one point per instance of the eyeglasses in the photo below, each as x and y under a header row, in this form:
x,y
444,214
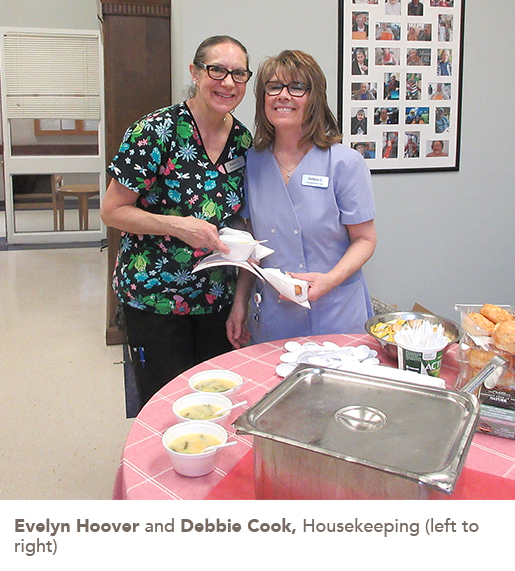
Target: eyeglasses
x,y
295,88
218,73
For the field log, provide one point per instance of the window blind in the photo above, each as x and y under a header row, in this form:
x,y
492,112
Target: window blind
x,y
51,75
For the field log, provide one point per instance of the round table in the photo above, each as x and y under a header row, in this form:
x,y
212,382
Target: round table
x,y
145,471
83,192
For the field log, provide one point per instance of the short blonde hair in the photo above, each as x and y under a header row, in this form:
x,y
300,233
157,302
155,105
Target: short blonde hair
x,y
320,125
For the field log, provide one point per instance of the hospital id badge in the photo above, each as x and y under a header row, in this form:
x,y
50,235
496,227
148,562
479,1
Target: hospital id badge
x,y
315,180
235,164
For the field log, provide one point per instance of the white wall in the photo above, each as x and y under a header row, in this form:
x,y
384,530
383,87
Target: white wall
x,y
75,14
444,237
448,238
265,28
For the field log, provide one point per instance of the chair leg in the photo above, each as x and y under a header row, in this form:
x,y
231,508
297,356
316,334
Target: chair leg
x,y
54,207
56,180
86,214
83,212
60,206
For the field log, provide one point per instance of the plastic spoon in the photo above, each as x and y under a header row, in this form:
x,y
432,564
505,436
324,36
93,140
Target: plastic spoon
x,y
217,446
224,410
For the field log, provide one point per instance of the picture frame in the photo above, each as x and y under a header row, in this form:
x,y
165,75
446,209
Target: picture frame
x,y
399,82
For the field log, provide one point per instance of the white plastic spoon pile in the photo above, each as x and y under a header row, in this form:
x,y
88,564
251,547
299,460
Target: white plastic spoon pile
x,y
328,354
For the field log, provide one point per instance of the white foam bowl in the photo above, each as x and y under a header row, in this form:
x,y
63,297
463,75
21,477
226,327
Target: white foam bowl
x,y
200,398
193,465
240,248
216,374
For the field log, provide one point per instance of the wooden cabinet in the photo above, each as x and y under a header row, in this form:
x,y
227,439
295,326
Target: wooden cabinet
x,y
137,61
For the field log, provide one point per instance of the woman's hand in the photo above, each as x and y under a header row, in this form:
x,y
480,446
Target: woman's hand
x,y
197,233
236,326
319,284
119,211
363,241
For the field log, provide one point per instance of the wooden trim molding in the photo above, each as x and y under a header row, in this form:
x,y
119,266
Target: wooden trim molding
x,y
155,9
139,2
45,150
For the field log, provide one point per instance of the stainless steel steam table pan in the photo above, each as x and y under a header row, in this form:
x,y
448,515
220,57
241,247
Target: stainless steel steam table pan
x,y
330,434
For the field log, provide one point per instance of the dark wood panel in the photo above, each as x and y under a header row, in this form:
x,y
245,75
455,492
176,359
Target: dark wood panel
x,y
137,63
138,77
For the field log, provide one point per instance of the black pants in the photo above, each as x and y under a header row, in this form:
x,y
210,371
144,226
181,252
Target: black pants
x,y
164,346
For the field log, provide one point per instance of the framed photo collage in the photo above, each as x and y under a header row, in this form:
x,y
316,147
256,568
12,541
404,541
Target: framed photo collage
x,y
399,84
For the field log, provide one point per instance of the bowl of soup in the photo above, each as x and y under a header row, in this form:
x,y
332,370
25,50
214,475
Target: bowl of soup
x,y
185,443
240,247
217,381
202,406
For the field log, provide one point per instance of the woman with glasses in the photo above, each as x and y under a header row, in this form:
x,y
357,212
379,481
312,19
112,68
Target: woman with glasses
x,y
177,179
311,198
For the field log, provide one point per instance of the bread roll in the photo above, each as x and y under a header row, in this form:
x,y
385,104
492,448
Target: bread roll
x,y
503,336
482,321
495,313
478,358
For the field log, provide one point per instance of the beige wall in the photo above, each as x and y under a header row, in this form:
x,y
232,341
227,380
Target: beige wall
x,y
76,14
265,28
444,237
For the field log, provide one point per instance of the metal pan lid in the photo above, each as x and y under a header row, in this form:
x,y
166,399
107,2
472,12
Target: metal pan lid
x,y
421,433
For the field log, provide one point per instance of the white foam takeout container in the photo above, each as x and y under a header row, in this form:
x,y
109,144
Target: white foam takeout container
x,y
193,465
216,374
203,398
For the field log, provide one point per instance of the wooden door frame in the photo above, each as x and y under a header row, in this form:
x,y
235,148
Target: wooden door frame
x,y
137,81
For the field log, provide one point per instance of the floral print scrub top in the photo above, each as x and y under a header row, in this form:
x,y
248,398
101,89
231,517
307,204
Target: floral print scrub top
x,y
163,159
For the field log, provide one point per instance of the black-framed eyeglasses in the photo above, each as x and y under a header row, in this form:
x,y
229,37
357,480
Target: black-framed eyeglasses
x,y
295,88
218,73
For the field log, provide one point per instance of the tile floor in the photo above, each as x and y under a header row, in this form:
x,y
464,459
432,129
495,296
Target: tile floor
x,y
62,400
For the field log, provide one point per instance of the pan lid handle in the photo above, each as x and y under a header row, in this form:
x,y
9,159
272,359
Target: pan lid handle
x,y
488,375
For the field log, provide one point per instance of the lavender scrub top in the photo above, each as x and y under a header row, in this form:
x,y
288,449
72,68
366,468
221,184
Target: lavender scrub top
x,y
305,223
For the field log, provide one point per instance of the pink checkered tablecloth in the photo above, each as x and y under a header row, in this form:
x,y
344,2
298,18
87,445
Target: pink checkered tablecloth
x,y
145,471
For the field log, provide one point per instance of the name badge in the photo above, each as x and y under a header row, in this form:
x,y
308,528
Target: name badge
x,y
235,164
313,180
